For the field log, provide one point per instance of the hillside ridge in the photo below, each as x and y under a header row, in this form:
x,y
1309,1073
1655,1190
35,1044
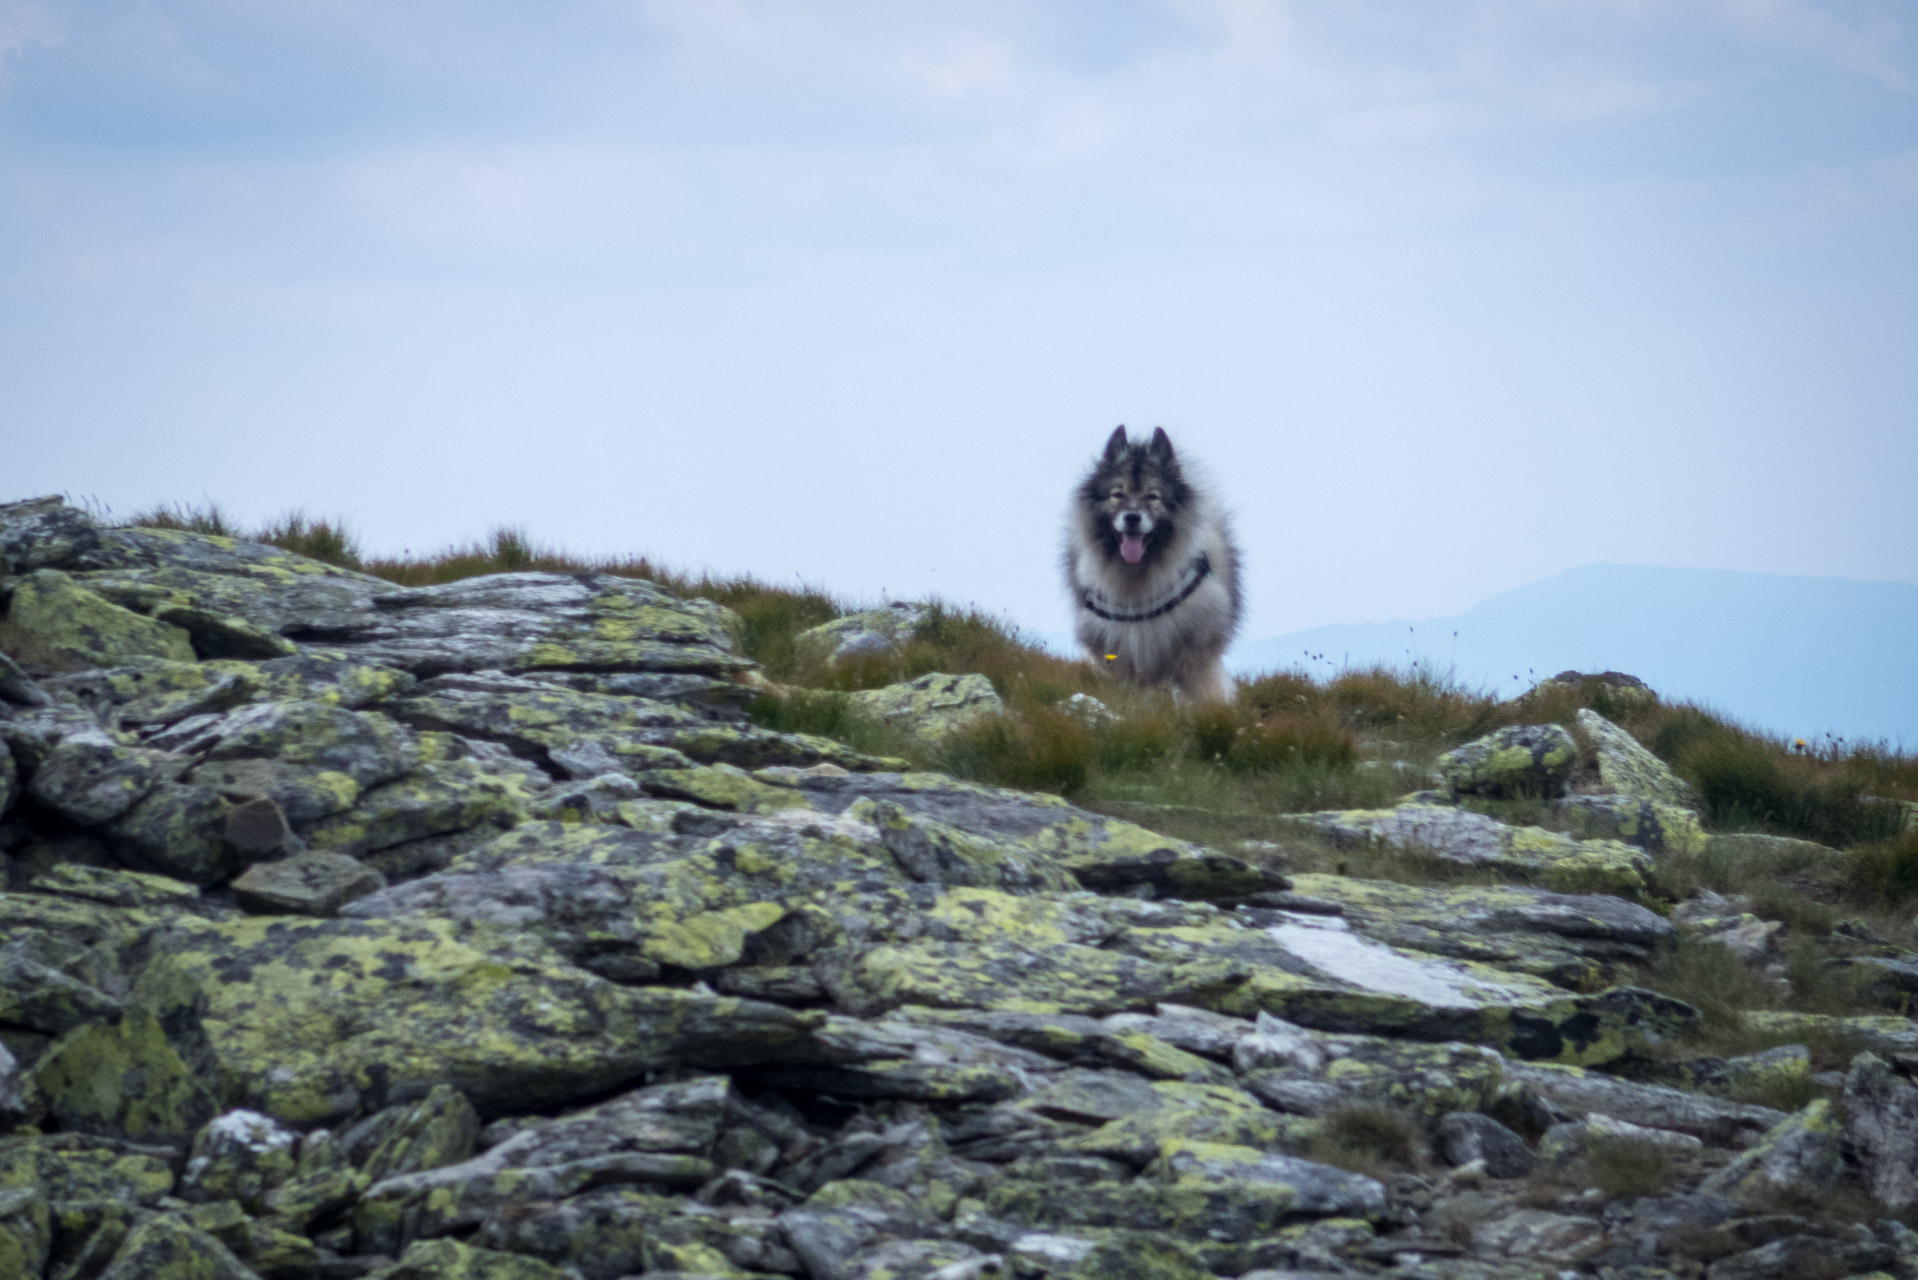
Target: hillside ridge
x,y
535,919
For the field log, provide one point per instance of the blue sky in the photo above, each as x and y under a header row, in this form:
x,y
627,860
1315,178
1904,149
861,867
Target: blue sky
x,y
1450,297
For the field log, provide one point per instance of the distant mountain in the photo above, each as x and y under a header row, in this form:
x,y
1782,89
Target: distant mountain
x,y
1795,656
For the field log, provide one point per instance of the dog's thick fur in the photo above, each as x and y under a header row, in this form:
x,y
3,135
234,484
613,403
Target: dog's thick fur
x,y
1153,571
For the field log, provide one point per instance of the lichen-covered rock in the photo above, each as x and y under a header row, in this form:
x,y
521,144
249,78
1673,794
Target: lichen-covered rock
x,y
660,1136
1881,1122
874,633
312,1020
51,984
1563,1141
1885,1034
258,1242
26,1232
517,622
843,1217
122,1077
65,618
435,799
931,707
1652,825
1805,1254
618,1231
1105,854
1312,970
179,830
1203,1190
89,778
1783,852
452,1260
240,1156
924,1062
1579,1092
934,853
1578,941
1314,1073
1624,767
165,1248
1473,839
151,693
440,1129
1802,1154
1541,1238
77,1167
43,533
315,883
1521,760
270,587
1888,981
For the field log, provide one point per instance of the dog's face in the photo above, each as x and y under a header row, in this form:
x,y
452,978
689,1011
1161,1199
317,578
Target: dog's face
x,y
1133,497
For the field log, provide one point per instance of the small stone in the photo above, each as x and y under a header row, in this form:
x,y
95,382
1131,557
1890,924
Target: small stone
x,y
258,828
315,883
1465,1136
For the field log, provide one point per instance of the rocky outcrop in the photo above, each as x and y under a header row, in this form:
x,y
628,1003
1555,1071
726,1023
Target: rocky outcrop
x,y
474,930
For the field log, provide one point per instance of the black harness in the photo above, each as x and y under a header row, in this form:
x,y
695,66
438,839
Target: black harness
x,y
1201,570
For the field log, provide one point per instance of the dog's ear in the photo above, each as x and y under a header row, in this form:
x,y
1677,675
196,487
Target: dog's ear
x,y
1160,450
1116,444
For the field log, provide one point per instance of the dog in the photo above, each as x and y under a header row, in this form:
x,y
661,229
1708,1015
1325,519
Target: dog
x,y
1153,571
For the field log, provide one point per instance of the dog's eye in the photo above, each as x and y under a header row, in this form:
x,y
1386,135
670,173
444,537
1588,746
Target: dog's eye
x,y
1152,497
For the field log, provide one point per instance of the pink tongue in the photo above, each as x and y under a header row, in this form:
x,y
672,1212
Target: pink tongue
x,y
1131,547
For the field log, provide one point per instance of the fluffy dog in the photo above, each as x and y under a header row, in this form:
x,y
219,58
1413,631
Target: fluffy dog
x,y
1153,571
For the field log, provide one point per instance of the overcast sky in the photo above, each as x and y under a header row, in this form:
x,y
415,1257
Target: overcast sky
x,y
1450,296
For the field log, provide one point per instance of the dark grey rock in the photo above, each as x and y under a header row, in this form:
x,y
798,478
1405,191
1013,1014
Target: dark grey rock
x,y
1882,1123
1465,1136
44,533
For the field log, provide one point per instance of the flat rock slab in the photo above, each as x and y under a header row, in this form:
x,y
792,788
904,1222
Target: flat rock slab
x,y
1314,970
1569,939
310,1021
1475,840
1655,1106
1103,853
534,621
315,883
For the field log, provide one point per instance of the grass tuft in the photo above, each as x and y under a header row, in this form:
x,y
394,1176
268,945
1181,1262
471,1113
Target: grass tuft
x,y
1629,1166
328,541
1376,1141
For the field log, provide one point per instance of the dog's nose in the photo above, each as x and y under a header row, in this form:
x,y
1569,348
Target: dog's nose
x,y
1131,520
